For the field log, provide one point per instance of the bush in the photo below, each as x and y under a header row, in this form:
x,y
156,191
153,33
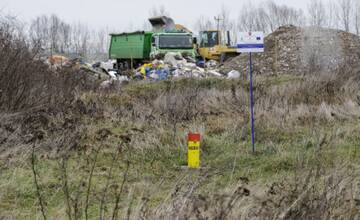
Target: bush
x,y
26,81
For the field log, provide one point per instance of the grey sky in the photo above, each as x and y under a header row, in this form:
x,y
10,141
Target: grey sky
x,y
123,14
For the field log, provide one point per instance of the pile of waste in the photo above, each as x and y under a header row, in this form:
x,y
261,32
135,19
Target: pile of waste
x,y
174,65
99,70
295,50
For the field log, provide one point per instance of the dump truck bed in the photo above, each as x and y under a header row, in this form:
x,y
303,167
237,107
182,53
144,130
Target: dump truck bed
x,y
134,45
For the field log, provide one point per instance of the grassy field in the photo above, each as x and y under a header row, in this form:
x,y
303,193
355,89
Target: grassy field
x,y
121,154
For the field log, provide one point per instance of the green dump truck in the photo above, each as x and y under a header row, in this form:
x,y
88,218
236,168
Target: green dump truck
x,y
132,49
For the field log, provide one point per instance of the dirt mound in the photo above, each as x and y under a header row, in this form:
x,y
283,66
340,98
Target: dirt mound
x,y
294,50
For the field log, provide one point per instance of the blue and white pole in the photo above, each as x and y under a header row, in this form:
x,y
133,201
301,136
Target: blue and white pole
x,y
252,106
251,42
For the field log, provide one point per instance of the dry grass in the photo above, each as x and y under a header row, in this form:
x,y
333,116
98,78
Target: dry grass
x,y
306,130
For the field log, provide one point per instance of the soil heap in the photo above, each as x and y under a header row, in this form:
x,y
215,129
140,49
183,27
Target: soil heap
x,y
295,50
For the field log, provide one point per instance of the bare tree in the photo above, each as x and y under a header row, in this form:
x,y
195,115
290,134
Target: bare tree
x,y
280,15
246,21
54,33
357,18
255,18
39,32
227,24
57,36
269,17
64,37
262,19
102,40
331,15
345,11
317,13
80,39
203,23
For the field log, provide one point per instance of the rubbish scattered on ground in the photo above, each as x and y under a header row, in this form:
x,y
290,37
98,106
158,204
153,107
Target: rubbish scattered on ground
x,y
175,65
214,73
123,78
113,74
211,64
58,61
170,58
233,74
108,65
200,63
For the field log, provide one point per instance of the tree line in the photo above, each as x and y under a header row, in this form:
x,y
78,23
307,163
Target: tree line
x,y
55,36
268,16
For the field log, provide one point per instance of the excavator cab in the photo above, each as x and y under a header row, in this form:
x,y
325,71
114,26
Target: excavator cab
x,y
215,45
209,39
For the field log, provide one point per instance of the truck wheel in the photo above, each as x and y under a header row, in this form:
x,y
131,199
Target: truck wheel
x,y
119,65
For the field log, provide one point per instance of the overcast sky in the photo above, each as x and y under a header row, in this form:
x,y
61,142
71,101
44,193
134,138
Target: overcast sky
x,y
123,14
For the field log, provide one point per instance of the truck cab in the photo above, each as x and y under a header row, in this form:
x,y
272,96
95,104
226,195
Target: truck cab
x,y
162,43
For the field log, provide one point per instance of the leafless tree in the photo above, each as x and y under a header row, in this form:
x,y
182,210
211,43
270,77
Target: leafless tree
x,y
357,18
246,21
80,39
56,36
269,17
54,33
345,11
331,15
317,13
226,23
39,32
280,15
254,18
262,19
203,23
64,37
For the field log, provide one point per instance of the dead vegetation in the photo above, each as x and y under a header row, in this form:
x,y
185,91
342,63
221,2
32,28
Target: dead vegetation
x,y
297,135
26,82
315,195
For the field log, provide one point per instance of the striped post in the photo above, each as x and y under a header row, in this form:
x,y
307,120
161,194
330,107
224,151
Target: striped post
x,y
193,151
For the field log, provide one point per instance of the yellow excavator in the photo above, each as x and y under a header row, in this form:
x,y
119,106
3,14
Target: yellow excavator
x,y
215,45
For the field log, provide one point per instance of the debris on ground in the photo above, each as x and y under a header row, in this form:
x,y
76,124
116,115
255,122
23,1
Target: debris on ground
x,y
211,64
175,65
58,60
233,74
104,70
